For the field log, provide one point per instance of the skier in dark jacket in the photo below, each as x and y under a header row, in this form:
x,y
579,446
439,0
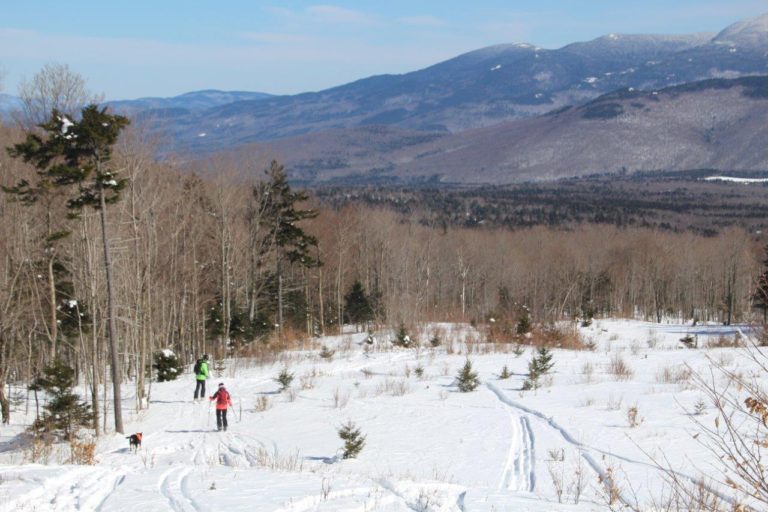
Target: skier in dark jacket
x,y
201,373
223,401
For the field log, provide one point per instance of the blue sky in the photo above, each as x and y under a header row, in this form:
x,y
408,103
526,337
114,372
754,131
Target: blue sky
x,y
167,47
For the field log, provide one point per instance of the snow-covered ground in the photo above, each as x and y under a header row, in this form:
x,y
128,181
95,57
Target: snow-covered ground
x,y
428,447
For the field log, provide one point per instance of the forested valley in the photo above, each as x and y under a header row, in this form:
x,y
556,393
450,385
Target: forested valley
x,y
219,266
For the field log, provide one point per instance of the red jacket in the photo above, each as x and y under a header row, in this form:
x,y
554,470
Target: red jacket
x,y
223,400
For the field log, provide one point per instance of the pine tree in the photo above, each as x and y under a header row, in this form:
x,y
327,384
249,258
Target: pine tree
x,y
524,322
64,412
281,217
284,378
402,339
168,365
75,155
357,306
354,440
505,373
467,379
760,297
46,155
540,364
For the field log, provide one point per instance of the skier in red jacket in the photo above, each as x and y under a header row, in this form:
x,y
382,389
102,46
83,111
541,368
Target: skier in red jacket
x,y
223,400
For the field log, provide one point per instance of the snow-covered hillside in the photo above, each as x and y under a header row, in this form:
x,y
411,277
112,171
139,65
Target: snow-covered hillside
x,y
428,447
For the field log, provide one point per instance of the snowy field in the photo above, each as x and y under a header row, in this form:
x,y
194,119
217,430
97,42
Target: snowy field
x,y
428,448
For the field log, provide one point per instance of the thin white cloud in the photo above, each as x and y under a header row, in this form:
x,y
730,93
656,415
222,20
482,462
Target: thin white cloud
x,y
338,15
278,11
424,21
272,37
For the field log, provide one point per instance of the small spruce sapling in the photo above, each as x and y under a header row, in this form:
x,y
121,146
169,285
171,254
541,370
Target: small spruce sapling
x,y
167,365
284,379
467,380
524,325
402,339
505,373
540,365
64,412
354,440
689,341
434,341
326,353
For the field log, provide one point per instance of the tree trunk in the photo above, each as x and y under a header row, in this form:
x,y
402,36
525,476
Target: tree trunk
x,y
111,327
279,294
52,298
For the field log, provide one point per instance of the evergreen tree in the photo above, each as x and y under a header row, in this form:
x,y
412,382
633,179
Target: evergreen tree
x,y
64,412
168,365
76,155
402,339
540,364
281,217
45,155
357,306
284,378
467,379
524,321
760,297
354,440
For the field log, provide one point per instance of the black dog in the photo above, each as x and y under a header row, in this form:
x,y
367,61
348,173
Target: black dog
x,y
134,441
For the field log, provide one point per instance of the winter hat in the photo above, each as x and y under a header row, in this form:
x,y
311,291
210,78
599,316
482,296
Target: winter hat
x,y
221,384
205,356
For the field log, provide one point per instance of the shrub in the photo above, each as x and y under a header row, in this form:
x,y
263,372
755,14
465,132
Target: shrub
x,y
619,368
167,365
467,379
633,417
354,440
82,452
505,373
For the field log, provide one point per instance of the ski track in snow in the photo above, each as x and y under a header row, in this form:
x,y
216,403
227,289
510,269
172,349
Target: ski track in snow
x,y
174,486
310,503
518,473
596,467
586,451
77,489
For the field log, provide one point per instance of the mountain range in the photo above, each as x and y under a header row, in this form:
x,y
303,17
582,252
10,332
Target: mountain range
x,y
501,114
712,124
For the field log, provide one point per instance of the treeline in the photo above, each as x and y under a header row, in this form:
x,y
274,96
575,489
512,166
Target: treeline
x,y
677,202
211,265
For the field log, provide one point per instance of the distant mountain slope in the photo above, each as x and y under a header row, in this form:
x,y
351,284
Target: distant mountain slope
x,y
717,124
184,103
484,87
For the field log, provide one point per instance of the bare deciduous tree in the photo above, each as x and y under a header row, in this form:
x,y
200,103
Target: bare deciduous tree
x,y
55,87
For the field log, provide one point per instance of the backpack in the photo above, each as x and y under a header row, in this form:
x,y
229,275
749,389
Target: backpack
x,y
222,397
196,369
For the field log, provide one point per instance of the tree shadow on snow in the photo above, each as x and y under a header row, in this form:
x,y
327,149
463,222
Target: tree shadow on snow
x,y
169,401
187,431
324,460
